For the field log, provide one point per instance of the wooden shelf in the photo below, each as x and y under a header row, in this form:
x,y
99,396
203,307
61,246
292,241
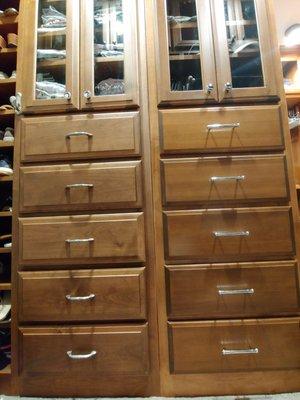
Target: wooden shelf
x,y
6,113
5,285
178,57
51,63
9,20
5,145
4,250
5,214
109,59
6,371
52,33
183,25
243,22
8,178
10,50
9,81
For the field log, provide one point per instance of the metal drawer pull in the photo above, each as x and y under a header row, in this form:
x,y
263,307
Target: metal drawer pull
x,y
69,135
80,298
80,240
239,352
217,127
230,234
228,178
81,356
225,292
80,185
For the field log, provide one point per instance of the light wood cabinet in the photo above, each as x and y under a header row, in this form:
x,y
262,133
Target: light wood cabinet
x,y
213,51
80,55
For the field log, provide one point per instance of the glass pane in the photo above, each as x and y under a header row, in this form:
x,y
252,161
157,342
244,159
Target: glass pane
x,y
183,41
51,50
243,43
108,47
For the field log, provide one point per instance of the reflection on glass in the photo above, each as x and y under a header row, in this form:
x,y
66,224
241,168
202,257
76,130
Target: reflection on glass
x,y
108,47
183,37
51,50
243,43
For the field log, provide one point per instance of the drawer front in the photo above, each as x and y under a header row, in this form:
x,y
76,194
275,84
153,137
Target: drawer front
x,y
227,346
81,239
229,235
224,179
81,186
232,290
246,128
100,350
80,136
89,295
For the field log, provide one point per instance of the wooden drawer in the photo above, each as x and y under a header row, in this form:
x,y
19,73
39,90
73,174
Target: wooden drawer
x,y
103,238
200,347
105,186
188,131
96,295
242,234
120,350
232,290
214,180
113,134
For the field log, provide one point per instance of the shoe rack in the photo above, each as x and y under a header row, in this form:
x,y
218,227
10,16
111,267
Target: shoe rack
x,y
8,57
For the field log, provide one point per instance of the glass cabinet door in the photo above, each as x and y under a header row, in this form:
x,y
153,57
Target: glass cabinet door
x,y
50,49
243,49
186,62
109,53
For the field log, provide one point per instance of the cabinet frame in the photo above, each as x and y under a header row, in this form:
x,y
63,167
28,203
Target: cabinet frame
x,y
28,47
207,58
131,70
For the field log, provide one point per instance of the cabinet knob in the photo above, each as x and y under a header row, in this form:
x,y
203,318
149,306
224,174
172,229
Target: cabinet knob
x,y
87,95
228,87
209,88
67,95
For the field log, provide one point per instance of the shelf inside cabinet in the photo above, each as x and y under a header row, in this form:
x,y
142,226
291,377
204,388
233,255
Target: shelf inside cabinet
x,y
8,50
109,59
51,63
5,285
6,113
4,250
5,144
52,33
183,25
243,22
177,57
6,178
6,371
9,20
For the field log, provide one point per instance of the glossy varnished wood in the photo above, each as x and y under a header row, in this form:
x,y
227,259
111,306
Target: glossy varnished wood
x,y
196,347
114,134
189,235
193,290
118,295
185,130
110,186
121,351
116,238
246,179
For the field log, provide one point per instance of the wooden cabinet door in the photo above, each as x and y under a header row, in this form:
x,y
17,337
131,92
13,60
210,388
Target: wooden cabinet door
x,y
49,50
186,54
243,49
109,53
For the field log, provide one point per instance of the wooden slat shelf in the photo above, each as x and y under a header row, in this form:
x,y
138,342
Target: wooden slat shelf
x,y
51,63
9,20
5,371
4,250
5,286
6,144
183,25
9,81
6,178
6,113
10,50
52,33
5,214
177,57
109,59
243,22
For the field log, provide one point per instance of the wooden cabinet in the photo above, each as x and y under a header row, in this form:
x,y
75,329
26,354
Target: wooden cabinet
x,y
83,295
82,239
214,50
69,68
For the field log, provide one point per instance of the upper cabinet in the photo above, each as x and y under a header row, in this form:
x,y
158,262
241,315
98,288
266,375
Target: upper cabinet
x,y
78,55
214,50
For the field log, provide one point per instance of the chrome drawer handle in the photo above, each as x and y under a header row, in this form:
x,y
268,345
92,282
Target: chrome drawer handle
x,y
80,185
69,135
228,178
230,234
225,292
70,241
239,352
218,127
81,356
80,298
